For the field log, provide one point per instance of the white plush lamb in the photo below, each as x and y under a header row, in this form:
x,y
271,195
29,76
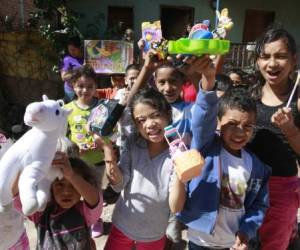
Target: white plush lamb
x,y
32,155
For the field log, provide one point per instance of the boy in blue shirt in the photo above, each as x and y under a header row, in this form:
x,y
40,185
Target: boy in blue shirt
x,y
224,206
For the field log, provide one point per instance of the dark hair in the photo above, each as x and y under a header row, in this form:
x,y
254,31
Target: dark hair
x,y
271,35
166,65
223,82
236,71
153,98
236,97
84,70
74,41
132,66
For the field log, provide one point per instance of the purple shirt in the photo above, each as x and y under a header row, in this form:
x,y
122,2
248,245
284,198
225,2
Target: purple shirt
x,y
70,63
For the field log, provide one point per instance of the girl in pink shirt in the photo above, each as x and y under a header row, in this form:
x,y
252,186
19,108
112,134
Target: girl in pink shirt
x,y
74,207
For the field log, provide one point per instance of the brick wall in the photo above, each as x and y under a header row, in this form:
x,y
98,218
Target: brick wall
x,y
12,8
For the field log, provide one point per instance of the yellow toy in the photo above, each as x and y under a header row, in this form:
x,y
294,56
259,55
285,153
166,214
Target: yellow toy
x,y
225,24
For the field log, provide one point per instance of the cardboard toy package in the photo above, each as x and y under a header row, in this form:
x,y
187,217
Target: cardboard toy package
x,y
105,116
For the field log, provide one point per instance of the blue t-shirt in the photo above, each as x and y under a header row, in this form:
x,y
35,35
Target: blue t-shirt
x,y
182,117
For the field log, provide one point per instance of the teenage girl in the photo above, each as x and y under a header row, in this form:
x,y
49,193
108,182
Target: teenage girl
x,y
277,138
141,214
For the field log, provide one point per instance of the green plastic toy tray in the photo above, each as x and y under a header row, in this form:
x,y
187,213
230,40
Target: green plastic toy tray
x,y
198,47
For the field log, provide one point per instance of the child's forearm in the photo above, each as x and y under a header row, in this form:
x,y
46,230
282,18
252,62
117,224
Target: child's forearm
x,y
219,63
177,196
113,172
208,82
141,80
89,192
65,75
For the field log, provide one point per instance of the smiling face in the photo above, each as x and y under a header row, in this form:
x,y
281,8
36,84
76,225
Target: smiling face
x,y
85,88
150,122
169,83
236,129
64,193
276,63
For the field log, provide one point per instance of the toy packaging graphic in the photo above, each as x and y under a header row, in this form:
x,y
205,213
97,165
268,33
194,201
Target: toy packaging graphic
x,y
108,56
150,32
105,116
188,163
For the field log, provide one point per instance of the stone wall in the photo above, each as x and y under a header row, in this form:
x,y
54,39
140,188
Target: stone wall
x,y
25,73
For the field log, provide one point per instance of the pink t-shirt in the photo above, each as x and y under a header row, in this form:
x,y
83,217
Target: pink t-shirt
x,y
91,215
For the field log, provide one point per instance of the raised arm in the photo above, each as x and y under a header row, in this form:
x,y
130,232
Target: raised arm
x,y
88,192
204,112
113,172
177,195
150,65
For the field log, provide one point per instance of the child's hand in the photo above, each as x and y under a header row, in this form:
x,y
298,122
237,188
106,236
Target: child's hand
x,y
101,143
241,242
283,119
141,44
61,161
151,60
200,65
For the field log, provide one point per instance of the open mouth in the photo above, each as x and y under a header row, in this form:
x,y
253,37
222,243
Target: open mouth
x,y
238,141
66,200
273,74
154,133
170,96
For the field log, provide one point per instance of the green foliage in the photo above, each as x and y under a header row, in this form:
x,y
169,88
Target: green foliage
x,y
55,22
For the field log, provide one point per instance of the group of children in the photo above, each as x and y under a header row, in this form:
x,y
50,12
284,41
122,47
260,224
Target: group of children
x,y
248,188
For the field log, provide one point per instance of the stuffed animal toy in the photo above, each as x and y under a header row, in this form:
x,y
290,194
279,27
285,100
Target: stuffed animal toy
x,y
32,155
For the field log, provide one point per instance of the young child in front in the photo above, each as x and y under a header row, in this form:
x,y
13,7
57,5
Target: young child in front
x,y
141,214
75,205
224,206
84,85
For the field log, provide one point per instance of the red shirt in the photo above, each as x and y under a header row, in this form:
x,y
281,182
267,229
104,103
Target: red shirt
x,y
189,92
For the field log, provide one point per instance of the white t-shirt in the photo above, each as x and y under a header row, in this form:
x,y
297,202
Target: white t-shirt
x,y
125,125
235,175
